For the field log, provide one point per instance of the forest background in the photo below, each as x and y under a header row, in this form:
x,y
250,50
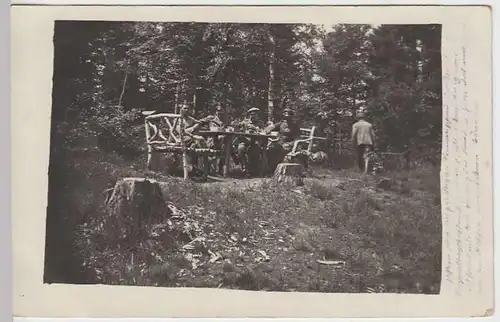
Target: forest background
x,y
107,73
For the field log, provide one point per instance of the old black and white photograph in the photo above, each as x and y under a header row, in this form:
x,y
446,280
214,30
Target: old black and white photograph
x,y
246,156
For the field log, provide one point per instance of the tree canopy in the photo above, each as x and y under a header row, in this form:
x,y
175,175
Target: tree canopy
x,y
106,72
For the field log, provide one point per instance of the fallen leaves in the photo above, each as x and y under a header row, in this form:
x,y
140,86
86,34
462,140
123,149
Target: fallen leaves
x,y
267,231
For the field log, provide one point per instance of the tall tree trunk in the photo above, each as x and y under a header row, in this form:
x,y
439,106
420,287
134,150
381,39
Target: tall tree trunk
x,y
354,107
194,100
124,85
270,91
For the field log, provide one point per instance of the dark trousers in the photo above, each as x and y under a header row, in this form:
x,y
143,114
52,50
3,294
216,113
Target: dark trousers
x,y
361,151
248,155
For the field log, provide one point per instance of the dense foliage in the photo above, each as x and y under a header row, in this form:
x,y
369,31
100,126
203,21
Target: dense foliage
x,y
107,72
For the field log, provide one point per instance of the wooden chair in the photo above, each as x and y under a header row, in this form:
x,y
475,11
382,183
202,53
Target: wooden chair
x,y
307,138
165,134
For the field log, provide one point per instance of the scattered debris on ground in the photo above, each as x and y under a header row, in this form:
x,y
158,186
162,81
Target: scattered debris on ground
x,y
330,235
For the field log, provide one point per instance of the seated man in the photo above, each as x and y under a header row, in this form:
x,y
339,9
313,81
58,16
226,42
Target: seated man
x,y
190,139
216,123
248,150
288,131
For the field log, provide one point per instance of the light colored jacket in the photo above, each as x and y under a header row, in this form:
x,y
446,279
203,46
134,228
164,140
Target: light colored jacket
x,y
362,133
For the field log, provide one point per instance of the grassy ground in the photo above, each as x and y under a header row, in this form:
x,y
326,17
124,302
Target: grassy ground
x,y
370,234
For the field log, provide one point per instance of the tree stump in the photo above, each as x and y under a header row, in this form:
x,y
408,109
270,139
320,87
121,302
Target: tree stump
x,y
133,205
289,174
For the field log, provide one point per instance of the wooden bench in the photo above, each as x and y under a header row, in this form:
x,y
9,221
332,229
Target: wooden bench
x,y
164,134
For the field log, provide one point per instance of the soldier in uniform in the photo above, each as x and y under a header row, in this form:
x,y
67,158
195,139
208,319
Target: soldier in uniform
x,y
190,139
248,150
289,131
191,125
216,123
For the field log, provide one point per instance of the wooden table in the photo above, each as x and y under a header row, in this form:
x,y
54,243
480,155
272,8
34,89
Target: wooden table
x,y
228,143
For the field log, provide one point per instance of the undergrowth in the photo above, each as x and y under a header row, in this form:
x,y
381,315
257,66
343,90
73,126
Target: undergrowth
x,y
266,237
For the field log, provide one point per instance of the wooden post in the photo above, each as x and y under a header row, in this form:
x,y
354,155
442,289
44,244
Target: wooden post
x,y
194,102
264,165
184,152
311,139
150,158
153,156
227,154
206,166
149,147
176,102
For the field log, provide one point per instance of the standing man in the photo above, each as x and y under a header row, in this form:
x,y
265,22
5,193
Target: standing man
x,y
363,139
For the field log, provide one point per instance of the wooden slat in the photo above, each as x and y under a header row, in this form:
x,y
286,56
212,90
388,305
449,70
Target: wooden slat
x,y
147,113
160,148
161,115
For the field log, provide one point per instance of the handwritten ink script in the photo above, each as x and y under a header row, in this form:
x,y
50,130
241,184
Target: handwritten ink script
x,y
460,177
